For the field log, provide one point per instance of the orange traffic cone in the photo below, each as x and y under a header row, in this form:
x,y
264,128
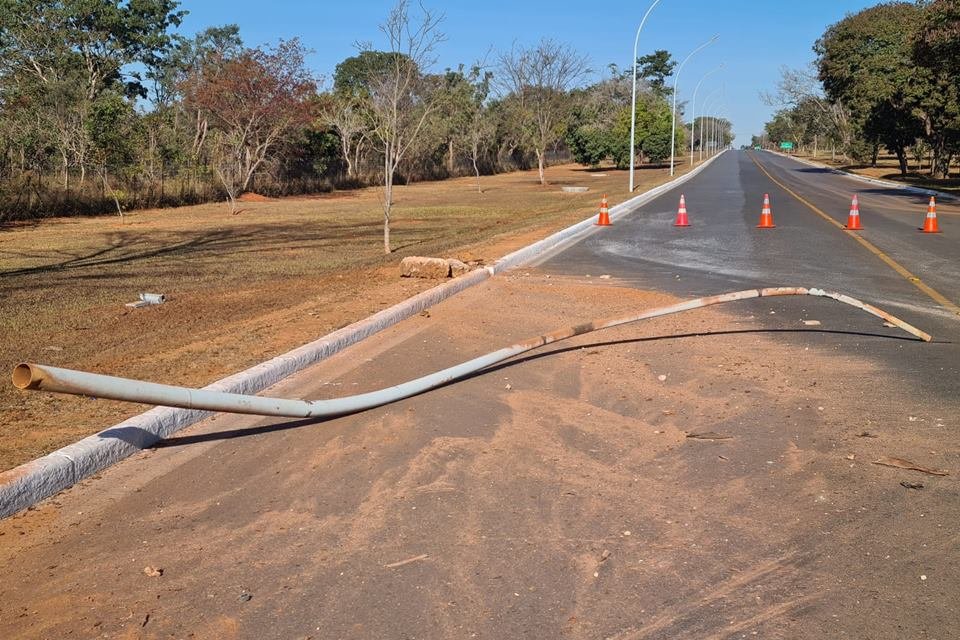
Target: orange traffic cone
x,y
930,223
766,216
853,221
604,220
682,219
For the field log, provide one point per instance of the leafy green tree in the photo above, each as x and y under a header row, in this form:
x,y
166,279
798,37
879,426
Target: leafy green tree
x,y
655,68
593,135
114,131
865,61
937,98
99,37
652,135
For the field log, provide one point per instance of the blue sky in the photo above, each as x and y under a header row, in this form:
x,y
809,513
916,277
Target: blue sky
x,y
756,36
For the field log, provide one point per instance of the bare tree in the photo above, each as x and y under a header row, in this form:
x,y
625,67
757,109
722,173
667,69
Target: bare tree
x,y
798,87
254,101
539,78
480,126
345,116
400,97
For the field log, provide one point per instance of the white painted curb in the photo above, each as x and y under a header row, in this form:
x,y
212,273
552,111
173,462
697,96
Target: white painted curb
x,y
33,481
941,195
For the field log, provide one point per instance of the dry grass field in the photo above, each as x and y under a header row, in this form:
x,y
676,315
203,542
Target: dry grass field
x,y
241,288
888,169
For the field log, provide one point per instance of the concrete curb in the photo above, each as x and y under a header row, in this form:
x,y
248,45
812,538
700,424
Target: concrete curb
x,y
33,481
940,195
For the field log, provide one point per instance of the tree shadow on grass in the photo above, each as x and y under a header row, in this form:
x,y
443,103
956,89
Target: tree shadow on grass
x,y
128,247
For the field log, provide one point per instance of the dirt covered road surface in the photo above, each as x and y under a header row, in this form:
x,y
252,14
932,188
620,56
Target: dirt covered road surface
x,y
706,475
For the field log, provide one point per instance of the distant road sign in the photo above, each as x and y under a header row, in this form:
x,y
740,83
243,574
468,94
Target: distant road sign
x,y
786,145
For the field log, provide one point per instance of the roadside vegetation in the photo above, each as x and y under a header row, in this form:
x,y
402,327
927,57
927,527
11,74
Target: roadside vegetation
x,y
886,81
106,107
190,141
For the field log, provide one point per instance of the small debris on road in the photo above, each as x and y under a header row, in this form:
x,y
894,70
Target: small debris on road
x,y
604,555
394,565
245,597
911,485
900,463
709,435
152,572
812,323
851,457
867,434
662,378
146,300
605,277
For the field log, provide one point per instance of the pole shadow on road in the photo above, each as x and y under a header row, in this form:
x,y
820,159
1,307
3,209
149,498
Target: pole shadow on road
x,y
230,434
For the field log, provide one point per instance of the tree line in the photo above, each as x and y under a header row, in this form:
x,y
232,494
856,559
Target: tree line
x,y
885,77
105,106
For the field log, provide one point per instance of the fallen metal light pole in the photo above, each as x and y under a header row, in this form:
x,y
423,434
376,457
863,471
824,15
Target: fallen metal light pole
x,y
43,378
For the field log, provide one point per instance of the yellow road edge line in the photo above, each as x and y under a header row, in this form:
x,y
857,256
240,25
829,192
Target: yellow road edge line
x,y
935,295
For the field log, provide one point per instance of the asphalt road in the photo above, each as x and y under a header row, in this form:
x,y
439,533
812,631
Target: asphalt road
x,y
723,250
709,475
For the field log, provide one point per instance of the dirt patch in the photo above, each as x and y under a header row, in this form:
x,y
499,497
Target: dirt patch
x,y
240,289
253,197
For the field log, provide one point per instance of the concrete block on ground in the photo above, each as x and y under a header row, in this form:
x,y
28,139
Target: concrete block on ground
x,y
420,267
458,268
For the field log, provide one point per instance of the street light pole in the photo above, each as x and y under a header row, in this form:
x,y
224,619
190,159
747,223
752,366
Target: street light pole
x,y
717,129
676,77
706,101
693,111
633,101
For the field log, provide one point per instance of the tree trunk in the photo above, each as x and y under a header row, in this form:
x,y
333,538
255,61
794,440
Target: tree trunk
x,y
357,154
387,201
347,155
939,166
876,154
476,171
540,154
113,194
902,159
450,167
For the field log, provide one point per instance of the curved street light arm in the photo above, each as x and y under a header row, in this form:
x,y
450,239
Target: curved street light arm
x,y
693,108
633,100
676,78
